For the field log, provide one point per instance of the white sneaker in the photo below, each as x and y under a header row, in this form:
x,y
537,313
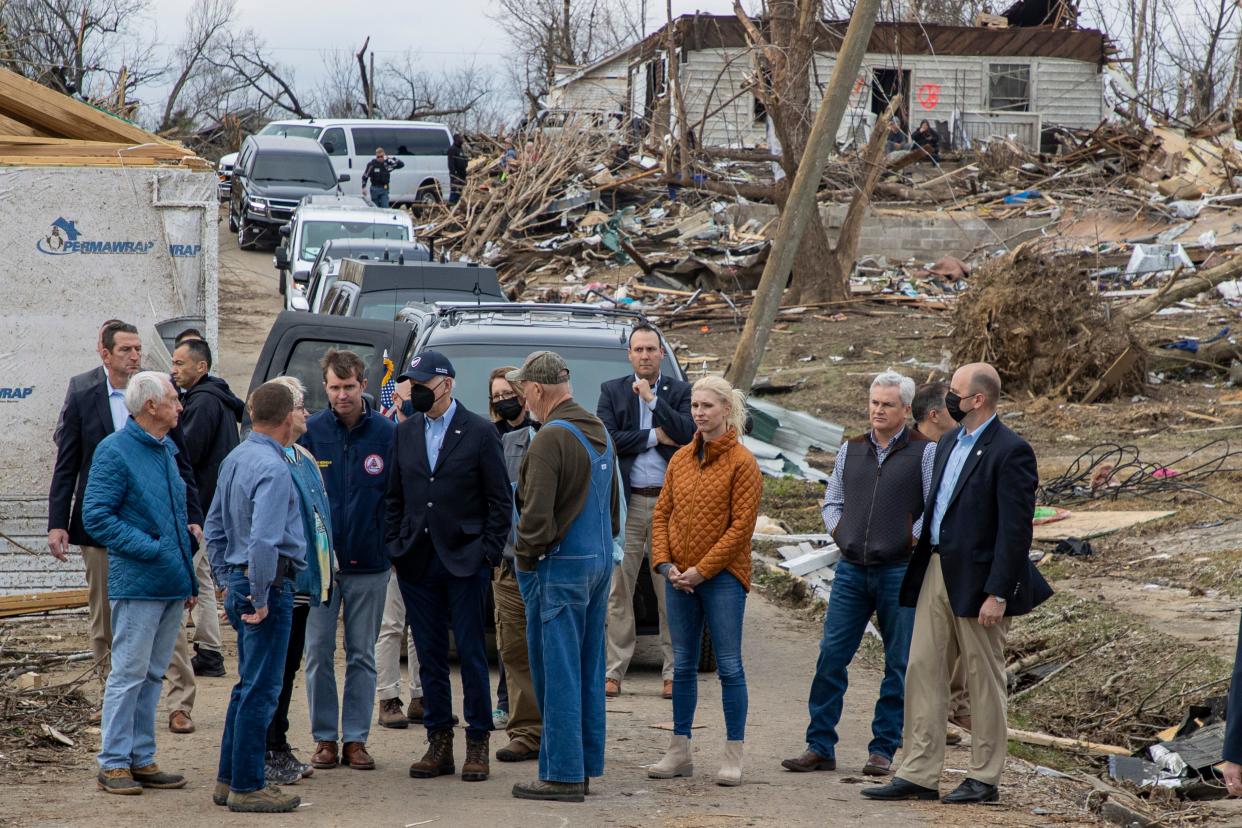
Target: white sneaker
x,y
500,719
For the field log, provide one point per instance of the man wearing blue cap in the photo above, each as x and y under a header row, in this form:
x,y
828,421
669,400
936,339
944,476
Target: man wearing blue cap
x,y
448,513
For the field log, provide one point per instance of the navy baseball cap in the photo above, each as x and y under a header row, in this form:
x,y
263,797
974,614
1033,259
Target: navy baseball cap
x,y
426,366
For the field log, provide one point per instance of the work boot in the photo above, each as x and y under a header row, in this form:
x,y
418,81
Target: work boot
x,y
284,758
325,755
118,781
414,712
438,760
612,688
667,692
354,755
550,791
180,722
676,761
475,768
808,761
731,766
207,663
220,794
391,714
269,800
276,772
151,776
516,751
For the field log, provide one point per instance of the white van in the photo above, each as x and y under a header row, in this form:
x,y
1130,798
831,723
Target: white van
x,y
351,143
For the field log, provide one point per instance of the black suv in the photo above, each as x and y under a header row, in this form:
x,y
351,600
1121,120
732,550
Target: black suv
x,y
272,175
476,338
382,290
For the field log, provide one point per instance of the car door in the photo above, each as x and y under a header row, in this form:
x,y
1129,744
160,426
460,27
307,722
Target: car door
x,y
297,342
334,143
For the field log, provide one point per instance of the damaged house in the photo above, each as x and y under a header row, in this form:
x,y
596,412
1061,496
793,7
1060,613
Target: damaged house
x,y
1022,71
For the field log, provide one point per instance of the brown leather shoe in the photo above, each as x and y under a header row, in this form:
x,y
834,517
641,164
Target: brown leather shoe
x,y
668,689
516,751
808,761
354,755
476,767
180,722
438,760
325,755
877,765
612,688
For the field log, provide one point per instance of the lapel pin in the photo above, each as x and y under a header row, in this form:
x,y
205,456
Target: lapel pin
x,y
979,453
458,431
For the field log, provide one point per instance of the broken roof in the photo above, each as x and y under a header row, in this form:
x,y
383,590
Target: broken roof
x,y
42,127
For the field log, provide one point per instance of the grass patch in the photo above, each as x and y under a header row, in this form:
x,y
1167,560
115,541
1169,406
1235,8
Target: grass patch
x,y
793,502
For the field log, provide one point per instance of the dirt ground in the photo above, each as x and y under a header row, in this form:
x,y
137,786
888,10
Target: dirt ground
x,y
1150,619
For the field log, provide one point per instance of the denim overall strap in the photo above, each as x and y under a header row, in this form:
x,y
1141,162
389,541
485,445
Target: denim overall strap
x,y
591,530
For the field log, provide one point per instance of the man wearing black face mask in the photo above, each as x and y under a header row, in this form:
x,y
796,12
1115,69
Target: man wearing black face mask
x,y
971,572
448,510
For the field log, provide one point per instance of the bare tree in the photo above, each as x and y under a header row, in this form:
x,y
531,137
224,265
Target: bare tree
x,y
206,27
243,58
459,95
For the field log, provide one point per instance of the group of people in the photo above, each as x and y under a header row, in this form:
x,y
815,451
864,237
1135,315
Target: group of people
x,y
385,523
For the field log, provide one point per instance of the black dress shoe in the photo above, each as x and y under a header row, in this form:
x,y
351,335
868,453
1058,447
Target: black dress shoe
x,y
900,789
971,792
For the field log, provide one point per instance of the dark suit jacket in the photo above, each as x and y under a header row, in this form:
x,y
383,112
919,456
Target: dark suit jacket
x,y
461,510
85,419
985,535
618,408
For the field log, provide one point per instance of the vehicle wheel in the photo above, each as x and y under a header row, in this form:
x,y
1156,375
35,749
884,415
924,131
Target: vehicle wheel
x,y
232,223
242,230
707,653
283,291
427,198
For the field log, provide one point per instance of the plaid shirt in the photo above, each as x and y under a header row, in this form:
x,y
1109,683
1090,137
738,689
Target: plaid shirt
x,y
834,496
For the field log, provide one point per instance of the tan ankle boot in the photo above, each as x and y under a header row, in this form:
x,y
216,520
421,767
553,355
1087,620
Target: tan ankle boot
x,y
676,761
731,766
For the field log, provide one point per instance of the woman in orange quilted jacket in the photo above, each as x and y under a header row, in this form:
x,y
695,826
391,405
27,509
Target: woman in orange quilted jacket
x,y
700,543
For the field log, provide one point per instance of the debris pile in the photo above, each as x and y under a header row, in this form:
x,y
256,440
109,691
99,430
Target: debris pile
x,y
1045,329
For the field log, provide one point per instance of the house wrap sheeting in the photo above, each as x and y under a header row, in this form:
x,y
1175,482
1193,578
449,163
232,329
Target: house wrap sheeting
x,y
84,244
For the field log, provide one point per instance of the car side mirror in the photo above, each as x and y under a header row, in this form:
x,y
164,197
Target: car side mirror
x,y
282,258
286,229
342,178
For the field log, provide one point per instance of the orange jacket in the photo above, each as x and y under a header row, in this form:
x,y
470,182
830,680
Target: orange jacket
x,y
707,509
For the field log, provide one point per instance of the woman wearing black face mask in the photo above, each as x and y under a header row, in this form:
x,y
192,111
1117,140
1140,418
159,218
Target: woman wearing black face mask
x,y
507,407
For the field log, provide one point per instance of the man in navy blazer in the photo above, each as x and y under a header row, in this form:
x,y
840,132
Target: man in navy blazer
x,y
971,572
647,415
449,507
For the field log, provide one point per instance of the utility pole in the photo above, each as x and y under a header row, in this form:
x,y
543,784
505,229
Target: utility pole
x,y
801,204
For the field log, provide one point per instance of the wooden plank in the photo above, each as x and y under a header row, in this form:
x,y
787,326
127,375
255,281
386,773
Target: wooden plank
x,y
1028,737
1113,375
10,127
23,100
1094,524
12,606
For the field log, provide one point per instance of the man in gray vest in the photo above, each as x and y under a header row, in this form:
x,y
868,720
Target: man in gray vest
x,y
874,510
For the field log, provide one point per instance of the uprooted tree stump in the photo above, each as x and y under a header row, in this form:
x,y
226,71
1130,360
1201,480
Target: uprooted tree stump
x,y
1043,326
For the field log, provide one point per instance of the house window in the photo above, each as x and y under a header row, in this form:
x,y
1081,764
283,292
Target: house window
x,y
1009,87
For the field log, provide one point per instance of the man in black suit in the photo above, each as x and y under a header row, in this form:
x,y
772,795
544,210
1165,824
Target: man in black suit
x,y
449,508
94,407
970,574
648,416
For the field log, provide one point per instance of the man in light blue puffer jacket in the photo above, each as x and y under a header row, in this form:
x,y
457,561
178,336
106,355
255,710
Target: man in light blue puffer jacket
x,y
135,505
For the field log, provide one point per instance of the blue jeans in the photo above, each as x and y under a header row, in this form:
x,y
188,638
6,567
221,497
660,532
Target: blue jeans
x,y
857,591
720,603
379,196
360,599
566,601
437,601
143,636
261,650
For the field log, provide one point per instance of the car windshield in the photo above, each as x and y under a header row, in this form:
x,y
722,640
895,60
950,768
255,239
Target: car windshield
x,y
295,169
589,367
291,130
315,233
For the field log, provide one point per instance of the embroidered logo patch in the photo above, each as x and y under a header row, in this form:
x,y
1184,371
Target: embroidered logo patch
x,y
373,465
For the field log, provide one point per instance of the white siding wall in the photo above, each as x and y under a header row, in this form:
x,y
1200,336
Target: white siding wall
x,y
600,90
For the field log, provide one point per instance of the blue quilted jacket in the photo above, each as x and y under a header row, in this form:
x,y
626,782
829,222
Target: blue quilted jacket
x,y
135,506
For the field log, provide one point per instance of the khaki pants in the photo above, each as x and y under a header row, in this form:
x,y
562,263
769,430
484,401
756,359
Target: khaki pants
x,y
205,613
180,674
388,648
959,699
621,633
525,724
939,639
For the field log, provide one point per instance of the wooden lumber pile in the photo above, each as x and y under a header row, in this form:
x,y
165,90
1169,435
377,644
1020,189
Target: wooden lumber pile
x,y
12,606
41,127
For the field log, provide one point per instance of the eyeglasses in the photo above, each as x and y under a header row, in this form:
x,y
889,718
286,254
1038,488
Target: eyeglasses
x,y
504,395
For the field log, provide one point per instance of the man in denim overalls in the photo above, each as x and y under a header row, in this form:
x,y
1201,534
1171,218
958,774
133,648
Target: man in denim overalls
x,y
569,511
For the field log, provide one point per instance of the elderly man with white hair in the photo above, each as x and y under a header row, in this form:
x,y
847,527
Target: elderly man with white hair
x,y
873,508
135,505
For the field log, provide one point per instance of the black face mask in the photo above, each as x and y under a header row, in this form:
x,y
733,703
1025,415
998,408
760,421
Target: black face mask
x,y
953,404
422,398
509,409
